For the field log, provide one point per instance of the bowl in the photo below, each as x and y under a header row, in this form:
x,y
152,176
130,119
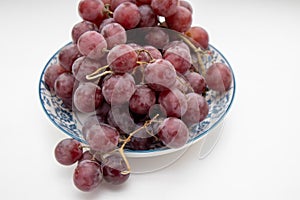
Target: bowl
x,y
71,122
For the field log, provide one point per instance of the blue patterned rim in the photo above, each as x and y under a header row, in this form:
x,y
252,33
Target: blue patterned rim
x,y
68,122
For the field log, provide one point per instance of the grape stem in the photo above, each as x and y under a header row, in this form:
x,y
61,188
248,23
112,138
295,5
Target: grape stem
x,y
139,51
96,74
121,149
108,11
198,53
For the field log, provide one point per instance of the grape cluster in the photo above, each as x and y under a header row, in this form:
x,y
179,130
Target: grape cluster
x,y
135,68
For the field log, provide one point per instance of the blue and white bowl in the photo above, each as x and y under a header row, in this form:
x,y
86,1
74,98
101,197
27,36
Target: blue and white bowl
x,y
71,123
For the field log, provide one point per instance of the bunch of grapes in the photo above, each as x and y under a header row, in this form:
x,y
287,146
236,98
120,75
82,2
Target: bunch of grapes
x,y
135,68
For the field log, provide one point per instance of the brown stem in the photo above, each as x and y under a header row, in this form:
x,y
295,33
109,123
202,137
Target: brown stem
x,y
97,74
121,149
108,11
198,54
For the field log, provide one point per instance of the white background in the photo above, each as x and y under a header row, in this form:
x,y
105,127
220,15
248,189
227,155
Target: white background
x,y
258,155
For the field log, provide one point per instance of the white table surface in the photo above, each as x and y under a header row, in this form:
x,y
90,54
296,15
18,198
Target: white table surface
x,y
258,155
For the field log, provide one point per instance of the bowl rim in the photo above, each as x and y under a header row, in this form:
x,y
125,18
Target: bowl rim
x,y
150,152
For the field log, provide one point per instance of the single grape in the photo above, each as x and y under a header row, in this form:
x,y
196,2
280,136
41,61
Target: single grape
x,y
157,37
67,55
180,21
82,27
186,4
122,58
197,109
148,17
115,3
92,44
174,102
218,77
84,66
118,89
113,166
91,10
87,175
127,14
199,36
68,151
87,97
179,57
160,75
196,81
173,132
114,34
51,74
102,137
164,8
142,100
63,85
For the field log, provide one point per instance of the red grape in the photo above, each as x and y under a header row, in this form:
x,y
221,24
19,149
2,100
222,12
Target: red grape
x,y
181,21
127,14
87,97
173,132
118,89
176,44
164,8
102,137
114,34
186,4
122,58
157,37
68,151
51,74
179,57
148,17
105,22
174,102
82,27
87,175
196,81
68,55
92,44
142,100
63,85
160,75
218,77
84,66
197,109
199,36
91,10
